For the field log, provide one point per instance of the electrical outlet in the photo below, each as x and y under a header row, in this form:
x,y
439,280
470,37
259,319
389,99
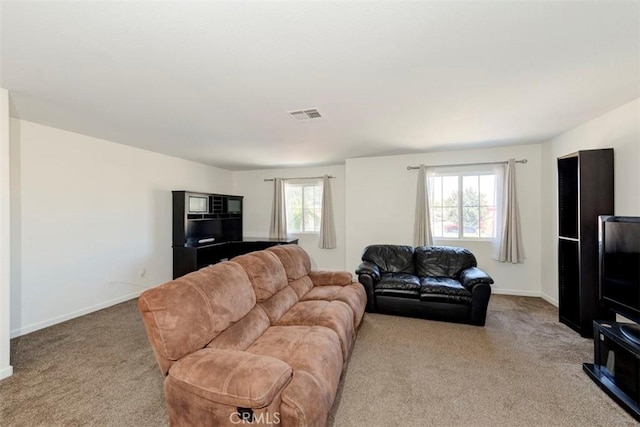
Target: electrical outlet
x,y
143,272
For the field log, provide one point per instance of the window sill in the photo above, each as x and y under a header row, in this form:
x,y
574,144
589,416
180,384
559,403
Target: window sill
x,y
464,239
304,233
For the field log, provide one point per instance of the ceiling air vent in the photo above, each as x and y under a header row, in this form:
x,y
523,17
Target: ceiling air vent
x,y
302,115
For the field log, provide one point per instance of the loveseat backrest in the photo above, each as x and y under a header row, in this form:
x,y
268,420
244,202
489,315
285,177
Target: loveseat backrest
x,y
269,280
390,258
443,261
184,315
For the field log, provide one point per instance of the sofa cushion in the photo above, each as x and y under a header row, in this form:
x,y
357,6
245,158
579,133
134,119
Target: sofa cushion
x,y
398,284
301,286
442,261
211,299
334,315
235,378
390,258
398,281
443,289
279,304
311,285
269,280
353,295
244,332
265,271
316,358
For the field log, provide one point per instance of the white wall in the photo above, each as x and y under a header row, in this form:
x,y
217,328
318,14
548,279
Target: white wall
x,y
88,216
258,203
618,129
380,204
5,366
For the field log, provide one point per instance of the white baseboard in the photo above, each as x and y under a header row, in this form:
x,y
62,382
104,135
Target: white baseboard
x,y
77,313
550,300
515,292
6,372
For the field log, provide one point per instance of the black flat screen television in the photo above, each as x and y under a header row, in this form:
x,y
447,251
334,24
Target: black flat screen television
x,y
619,250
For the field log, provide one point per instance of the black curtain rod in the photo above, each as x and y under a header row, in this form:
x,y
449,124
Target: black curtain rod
x,y
523,161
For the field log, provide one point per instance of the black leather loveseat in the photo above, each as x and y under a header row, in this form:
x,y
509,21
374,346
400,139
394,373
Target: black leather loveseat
x,y
434,282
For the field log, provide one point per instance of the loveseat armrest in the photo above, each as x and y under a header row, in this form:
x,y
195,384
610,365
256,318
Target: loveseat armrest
x,y
330,278
480,294
369,268
230,377
472,276
368,275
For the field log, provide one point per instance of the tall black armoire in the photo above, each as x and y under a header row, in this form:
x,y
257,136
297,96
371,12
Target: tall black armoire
x,y
585,190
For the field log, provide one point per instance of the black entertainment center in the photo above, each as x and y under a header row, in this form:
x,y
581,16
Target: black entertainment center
x,y
207,228
616,361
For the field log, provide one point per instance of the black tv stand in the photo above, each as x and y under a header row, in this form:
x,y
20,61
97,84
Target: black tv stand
x,y
631,332
616,366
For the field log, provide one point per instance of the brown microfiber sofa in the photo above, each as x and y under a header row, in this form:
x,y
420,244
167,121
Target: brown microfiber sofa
x,y
260,337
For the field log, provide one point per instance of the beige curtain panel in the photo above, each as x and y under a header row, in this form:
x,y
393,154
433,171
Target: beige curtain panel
x,y
278,227
511,247
422,235
327,226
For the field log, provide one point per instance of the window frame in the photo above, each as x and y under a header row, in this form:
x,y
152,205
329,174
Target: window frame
x,y
459,174
303,183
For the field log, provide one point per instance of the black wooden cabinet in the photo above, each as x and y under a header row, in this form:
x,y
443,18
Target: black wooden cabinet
x,y
207,229
200,217
585,190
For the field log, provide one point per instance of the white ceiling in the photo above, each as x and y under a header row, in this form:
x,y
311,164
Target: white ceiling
x,y
213,81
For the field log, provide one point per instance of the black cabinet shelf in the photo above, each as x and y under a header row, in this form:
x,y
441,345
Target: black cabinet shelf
x,y
217,204
206,217
585,190
568,196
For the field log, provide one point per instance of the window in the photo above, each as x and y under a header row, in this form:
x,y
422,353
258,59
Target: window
x,y
304,206
463,205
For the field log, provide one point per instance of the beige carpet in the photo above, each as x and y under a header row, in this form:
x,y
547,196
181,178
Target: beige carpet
x,y
523,368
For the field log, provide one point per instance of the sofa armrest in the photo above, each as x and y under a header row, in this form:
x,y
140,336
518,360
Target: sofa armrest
x,y
330,278
472,276
369,268
229,377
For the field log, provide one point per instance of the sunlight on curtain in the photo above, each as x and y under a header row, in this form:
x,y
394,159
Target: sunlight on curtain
x,y
327,227
511,248
422,235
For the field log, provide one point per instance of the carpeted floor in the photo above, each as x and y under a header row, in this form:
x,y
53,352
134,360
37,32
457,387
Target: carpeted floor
x,y
523,368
